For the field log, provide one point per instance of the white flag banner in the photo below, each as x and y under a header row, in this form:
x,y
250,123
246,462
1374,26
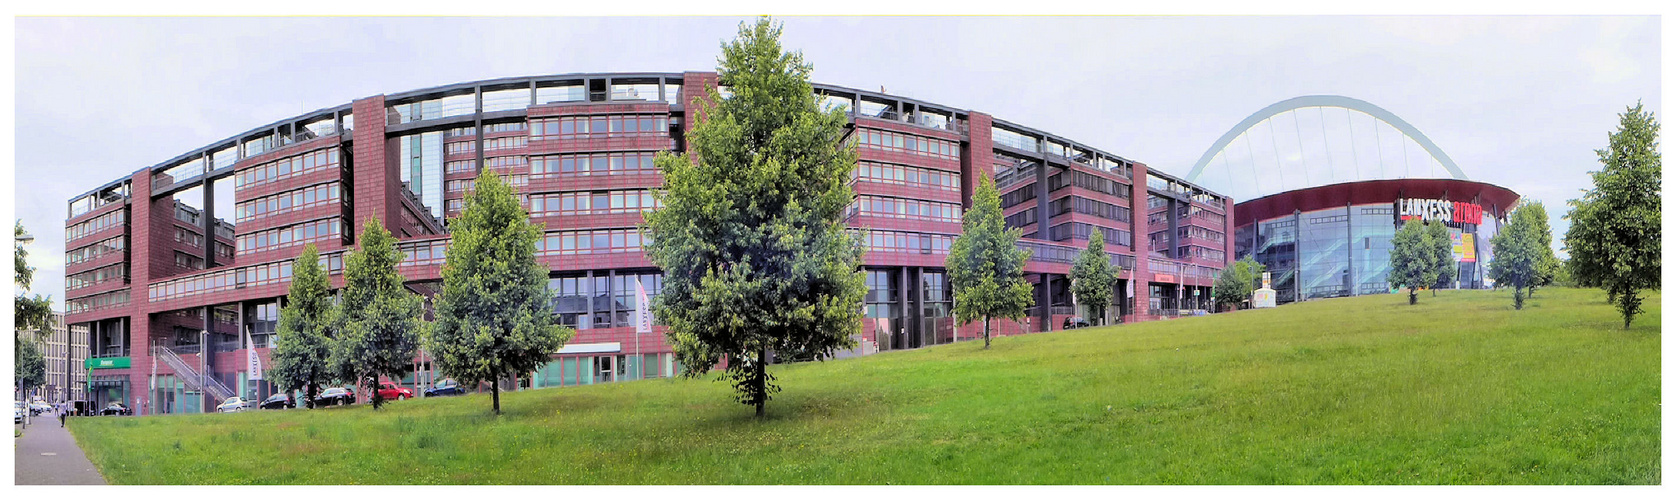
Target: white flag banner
x,y
253,365
642,309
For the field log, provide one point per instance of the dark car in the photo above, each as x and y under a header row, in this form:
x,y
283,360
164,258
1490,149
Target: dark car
x,y
116,409
447,387
278,401
335,396
1075,322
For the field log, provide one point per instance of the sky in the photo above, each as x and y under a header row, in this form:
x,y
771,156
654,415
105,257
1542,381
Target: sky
x,y
1517,101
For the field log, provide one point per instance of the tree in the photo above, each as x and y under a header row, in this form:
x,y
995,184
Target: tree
x,y
1413,262
1614,239
985,264
302,355
1443,255
30,370
1093,276
751,237
1547,266
378,319
1522,259
495,317
32,314
1236,282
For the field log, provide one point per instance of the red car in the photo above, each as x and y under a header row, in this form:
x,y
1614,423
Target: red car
x,y
390,391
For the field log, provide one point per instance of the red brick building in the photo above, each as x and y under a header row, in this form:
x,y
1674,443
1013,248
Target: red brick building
x,y
167,315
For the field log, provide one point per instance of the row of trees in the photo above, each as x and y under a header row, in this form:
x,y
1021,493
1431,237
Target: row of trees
x,y
492,318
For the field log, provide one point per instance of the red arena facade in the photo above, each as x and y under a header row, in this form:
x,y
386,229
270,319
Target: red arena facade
x,y
1335,240
168,311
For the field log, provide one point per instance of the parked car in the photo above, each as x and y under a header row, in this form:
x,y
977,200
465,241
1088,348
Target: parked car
x,y
447,387
279,401
38,407
1074,322
17,412
116,408
233,405
390,391
335,396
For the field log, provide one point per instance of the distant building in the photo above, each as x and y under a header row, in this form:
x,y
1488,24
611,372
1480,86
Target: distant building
x,y
66,358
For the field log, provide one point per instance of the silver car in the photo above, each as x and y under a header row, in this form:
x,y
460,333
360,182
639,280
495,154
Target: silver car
x,y
233,404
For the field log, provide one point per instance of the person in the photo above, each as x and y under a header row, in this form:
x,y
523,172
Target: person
x,y
61,414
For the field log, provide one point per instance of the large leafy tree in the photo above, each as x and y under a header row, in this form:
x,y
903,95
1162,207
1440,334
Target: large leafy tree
x,y
302,356
1443,255
378,319
1093,276
986,266
1236,282
494,318
751,237
1522,257
33,314
1413,262
1614,239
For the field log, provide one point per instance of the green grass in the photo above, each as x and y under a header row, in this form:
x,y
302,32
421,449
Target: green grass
x,y
1458,389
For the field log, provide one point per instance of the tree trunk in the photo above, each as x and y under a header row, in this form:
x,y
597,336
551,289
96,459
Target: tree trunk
x,y
377,400
1518,298
986,332
761,380
1413,297
1628,298
494,388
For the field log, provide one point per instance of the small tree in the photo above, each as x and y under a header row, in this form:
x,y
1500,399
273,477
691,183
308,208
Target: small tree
x,y
1614,238
1093,277
985,264
1521,258
302,354
30,370
378,319
1235,284
751,237
1443,255
1413,263
495,317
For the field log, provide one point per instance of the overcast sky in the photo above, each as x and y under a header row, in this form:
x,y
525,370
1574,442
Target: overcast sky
x,y
1520,102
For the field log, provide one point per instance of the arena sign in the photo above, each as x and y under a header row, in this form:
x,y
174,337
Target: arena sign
x,y
1451,212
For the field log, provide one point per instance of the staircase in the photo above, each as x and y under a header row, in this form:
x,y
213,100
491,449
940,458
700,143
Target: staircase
x,y
194,381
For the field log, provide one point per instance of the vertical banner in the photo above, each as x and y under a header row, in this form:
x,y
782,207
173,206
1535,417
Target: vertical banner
x,y
642,311
253,365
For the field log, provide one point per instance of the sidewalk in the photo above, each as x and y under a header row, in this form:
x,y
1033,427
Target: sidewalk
x,y
46,454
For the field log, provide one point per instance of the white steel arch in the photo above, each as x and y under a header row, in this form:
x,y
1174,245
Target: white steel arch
x,y
1326,101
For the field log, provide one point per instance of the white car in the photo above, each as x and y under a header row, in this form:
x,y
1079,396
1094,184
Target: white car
x,y
38,407
17,414
233,404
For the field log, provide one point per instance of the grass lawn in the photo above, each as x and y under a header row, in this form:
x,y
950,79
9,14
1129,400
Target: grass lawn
x,y
1458,389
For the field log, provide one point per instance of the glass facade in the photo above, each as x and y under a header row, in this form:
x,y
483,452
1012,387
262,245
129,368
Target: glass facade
x,y
1345,251
421,168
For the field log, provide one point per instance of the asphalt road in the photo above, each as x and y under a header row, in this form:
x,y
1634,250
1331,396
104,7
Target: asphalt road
x,y
47,454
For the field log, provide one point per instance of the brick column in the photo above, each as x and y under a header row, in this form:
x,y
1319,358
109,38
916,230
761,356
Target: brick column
x,y
694,89
1142,273
1228,231
149,223
374,179
976,159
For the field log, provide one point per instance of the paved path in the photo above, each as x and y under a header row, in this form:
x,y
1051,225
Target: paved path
x,y
47,454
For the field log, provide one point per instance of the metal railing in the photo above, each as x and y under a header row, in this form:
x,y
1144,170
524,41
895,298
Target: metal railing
x,y
192,379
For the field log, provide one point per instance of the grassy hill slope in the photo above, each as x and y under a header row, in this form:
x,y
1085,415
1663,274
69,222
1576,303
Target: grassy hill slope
x,y
1458,389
